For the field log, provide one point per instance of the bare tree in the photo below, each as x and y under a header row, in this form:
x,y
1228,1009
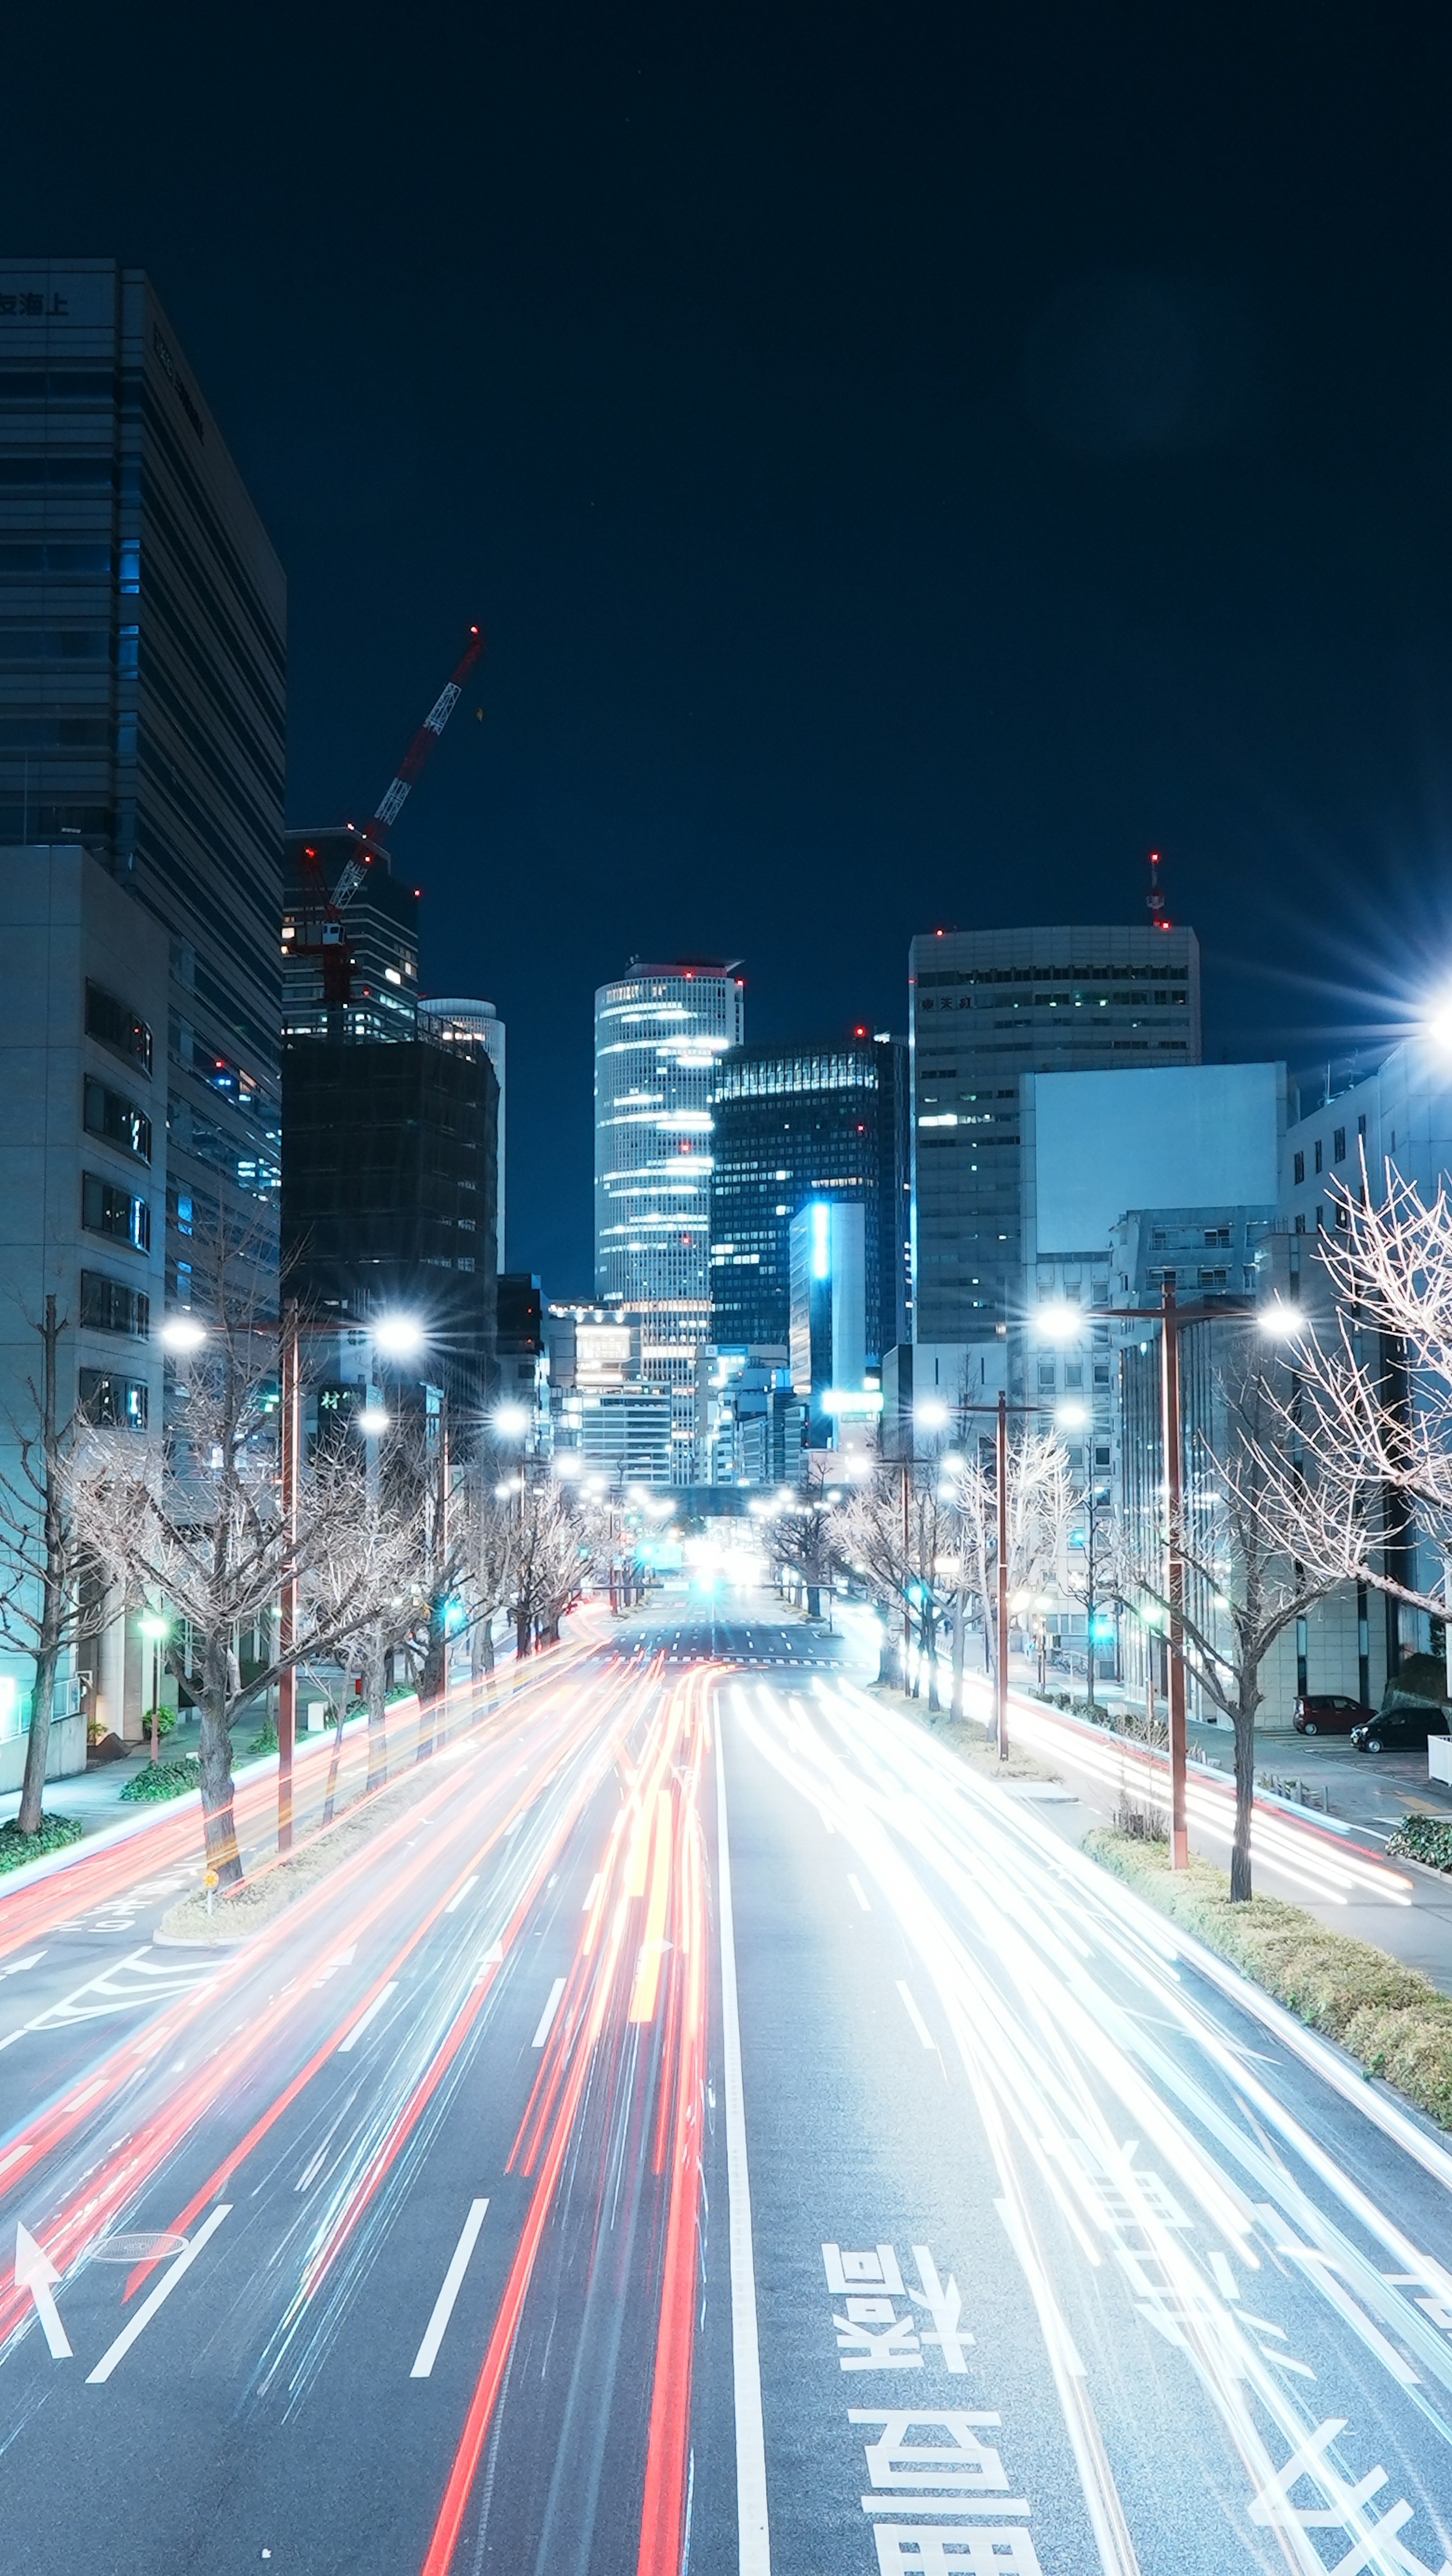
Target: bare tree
x,y
875,1540
807,1537
1040,1500
195,1519
45,1605
369,1532
1265,1530
554,1548
488,1524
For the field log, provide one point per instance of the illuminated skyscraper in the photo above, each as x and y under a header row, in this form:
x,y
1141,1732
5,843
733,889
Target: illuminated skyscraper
x,y
660,1034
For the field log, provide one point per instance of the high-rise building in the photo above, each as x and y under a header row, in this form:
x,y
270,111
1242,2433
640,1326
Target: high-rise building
x,y
660,1035
795,1123
355,977
826,1252
475,1024
142,701
986,1007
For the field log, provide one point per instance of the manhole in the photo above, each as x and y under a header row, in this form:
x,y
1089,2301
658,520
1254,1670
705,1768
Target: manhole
x,y
138,2249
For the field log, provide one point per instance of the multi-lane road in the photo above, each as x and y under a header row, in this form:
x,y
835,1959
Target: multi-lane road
x,y
708,2129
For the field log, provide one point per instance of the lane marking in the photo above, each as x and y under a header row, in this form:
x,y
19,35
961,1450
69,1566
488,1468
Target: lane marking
x,y
35,2272
1225,2281
753,2534
455,1902
444,2303
163,2290
547,2016
855,1883
593,1891
364,2018
915,2017
493,1958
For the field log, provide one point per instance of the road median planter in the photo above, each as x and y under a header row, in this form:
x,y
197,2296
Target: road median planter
x,y
270,1890
1391,2019
52,1834
1424,1838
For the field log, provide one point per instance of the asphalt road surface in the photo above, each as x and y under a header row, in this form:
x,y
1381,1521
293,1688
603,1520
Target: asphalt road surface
x,y
710,2130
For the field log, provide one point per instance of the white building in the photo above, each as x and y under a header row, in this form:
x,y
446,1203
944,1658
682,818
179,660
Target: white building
x,y
660,1034
465,1023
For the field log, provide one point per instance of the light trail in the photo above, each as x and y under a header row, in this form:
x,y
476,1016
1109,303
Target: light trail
x,y
1076,2036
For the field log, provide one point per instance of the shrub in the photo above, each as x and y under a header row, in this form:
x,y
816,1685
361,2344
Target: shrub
x,y
52,1834
1391,2019
265,1740
164,1779
1424,1838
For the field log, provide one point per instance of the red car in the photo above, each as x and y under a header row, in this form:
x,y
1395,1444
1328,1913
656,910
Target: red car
x,y
1329,1713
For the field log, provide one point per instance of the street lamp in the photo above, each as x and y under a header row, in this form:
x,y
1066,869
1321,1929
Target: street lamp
x,y
397,1336
511,1421
182,1333
155,1629
373,1420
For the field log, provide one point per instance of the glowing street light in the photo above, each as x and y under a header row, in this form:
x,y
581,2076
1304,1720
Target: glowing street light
x,y
182,1333
374,1419
397,1336
511,1421
1059,1320
1281,1320
931,1413
1072,1415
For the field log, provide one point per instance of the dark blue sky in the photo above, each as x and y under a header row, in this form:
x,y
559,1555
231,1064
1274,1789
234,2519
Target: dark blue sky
x,y
908,461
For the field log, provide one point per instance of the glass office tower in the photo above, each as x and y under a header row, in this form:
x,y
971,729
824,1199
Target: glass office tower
x,y
987,1006
660,1035
142,680
808,1122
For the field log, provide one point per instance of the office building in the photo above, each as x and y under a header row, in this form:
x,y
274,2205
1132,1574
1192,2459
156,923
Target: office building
x,y
746,1412
388,1194
142,702
808,1122
660,1035
988,1007
626,1436
458,1022
826,1336
142,679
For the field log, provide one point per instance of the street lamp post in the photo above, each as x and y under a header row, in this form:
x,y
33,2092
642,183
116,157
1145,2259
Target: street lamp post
x,y
155,1629
290,1389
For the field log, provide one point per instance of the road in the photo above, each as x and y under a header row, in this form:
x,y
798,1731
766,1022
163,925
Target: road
x,y
710,2129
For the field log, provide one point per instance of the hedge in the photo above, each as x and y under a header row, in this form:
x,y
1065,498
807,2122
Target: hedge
x,y
52,1834
1391,2019
1424,1838
165,1779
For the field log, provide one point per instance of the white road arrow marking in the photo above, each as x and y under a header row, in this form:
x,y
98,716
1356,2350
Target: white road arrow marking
x,y
35,2272
16,1967
364,2018
163,2290
444,2303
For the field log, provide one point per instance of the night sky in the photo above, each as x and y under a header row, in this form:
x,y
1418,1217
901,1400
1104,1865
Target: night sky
x,y
908,461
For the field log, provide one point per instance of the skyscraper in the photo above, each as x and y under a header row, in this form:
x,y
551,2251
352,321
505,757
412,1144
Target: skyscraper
x,y
142,676
987,1006
796,1123
457,1022
660,1034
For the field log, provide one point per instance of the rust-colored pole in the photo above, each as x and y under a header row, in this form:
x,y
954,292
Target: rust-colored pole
x,y
1001,1676
1174,1568
290,1389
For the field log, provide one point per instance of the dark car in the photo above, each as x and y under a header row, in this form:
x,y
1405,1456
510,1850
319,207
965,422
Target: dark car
x,y
1330,1713
1396,1727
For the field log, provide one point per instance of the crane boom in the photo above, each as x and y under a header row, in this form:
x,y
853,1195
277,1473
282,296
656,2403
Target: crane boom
x,y
390,803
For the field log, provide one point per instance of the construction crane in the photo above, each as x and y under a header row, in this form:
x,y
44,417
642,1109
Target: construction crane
x,y
320,914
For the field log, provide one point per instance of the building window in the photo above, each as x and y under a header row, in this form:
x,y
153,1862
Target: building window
x,y
1338,1145
107,1209
117,1026
1300,1220
1046,1377
110,1306
113,1403
1318,1153
1299,1167
112,1115
1217,1238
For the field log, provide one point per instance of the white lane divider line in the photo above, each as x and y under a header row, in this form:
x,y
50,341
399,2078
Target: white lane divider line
x,y
547,2016
915,2017
163,2290
753,2532
457,1900
592,1891
855,1883
364,2018
444,2303
1225,2280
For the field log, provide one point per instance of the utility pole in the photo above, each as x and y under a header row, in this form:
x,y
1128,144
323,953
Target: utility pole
x,y
290,1378
1001,1570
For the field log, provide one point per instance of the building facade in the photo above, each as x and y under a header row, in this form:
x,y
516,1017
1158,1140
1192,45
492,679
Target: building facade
x,y
459,1022
142,702
828,1121
660,1035
355,975
987,1007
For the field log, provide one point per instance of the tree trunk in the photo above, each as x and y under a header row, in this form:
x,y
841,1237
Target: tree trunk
x,y
521,1635
42,1699
433,1677
375,1691
814,1601
930,1649
960,1623
52,1608
1244,1722
216,1760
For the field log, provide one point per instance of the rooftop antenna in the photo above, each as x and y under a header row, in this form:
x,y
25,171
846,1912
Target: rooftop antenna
x,y
1154,901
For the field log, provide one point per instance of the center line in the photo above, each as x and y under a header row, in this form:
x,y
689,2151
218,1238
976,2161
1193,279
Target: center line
x,y
915,2017
855,1884
456,1901
547,2016
444,2303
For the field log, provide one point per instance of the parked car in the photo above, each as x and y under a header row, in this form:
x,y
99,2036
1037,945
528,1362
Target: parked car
x,y
1329,1713
1403,1725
